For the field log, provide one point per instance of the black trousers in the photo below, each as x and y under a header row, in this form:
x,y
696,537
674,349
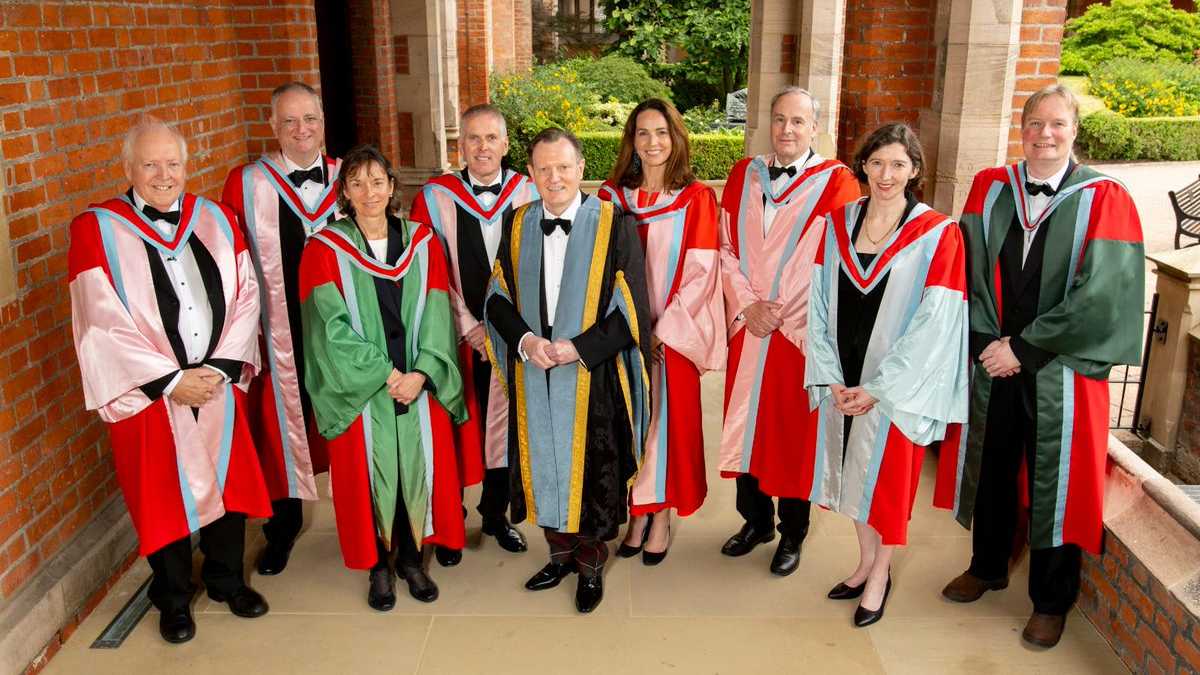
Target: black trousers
x,y
222,542
287,517
493,502
587,553
759,509
1010,437
407,552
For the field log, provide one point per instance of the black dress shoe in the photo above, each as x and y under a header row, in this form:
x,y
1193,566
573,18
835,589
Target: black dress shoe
x,y
787,555
509,537
244,602
274,559
176,626
651,558
549,576
627,551
447,557
844,592
746,539
420,586
866,617
589,592
381,592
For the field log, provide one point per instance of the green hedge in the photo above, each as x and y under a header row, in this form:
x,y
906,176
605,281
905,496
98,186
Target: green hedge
x,y
713,155
1109,135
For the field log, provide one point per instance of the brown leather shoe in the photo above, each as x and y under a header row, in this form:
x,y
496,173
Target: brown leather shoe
x,y
1044,630
967,587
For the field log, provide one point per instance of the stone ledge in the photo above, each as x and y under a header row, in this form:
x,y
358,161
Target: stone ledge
x,y
54,596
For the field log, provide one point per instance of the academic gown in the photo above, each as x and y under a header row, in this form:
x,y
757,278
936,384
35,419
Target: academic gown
x,y
679,232
767,415
448,204
1090,276
914,363
277,222
576,431
179,468
362,318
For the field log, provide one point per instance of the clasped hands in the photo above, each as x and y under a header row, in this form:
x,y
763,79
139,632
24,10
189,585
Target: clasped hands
x,y
196,387
546,354
998,359
477,338
762,318
853,401
405,387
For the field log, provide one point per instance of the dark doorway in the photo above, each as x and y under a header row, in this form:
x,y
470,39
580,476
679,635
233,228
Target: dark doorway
x,y
337,84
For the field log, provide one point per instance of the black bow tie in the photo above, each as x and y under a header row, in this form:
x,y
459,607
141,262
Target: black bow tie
x,y
299,176
1039,189
480,189
152,213
548,225
777,171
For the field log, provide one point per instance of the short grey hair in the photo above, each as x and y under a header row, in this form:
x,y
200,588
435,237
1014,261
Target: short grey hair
x,y
484,109
290,87
144,125
1046,92
793,89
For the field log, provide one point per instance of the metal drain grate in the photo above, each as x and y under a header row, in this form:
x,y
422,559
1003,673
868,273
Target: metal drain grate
x,y
126,620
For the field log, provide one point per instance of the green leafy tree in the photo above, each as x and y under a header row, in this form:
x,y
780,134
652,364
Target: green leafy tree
x,y
617,77
1146,30
700,46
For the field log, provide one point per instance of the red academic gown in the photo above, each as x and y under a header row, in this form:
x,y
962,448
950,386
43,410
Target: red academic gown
x,y
679,234
177,471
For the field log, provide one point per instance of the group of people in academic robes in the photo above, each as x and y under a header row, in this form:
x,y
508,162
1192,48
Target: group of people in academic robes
x,y
516,332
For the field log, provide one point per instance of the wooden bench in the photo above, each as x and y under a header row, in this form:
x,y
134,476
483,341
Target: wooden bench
x,y
1186,203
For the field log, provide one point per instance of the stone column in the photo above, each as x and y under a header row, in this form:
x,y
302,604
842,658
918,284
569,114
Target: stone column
x,y
423,93
770,22
1165,379
966,129
819,64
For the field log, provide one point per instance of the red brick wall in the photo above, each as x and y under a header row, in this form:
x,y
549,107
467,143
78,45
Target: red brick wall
x,y
73,76
374,76
522,34
888,64
473,69
1148,627
1037,62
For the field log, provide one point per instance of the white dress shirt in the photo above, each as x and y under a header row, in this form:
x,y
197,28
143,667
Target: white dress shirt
x,y
554,254
1037,204
310,189
195,315
379,248
780,183
491,232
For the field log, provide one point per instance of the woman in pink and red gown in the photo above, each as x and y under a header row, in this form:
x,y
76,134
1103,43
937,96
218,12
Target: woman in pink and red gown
x,y
676,214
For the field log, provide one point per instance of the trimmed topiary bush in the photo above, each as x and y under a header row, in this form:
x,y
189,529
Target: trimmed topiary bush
x,y
1146,30
616,77
1108,135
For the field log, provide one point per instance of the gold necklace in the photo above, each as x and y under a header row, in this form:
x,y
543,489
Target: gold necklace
x,y
873,240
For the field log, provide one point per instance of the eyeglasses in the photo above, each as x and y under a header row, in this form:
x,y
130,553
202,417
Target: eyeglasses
x,y
307,120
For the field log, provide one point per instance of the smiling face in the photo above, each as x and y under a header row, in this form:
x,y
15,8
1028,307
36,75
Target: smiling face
x,y
889,169
556,170
157,168
299,126
369,190
1047,135
483,144
793,126
652,138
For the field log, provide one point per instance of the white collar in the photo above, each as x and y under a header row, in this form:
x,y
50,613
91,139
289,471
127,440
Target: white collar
x,y
141,203
475,181
291,166
800,164
569,212
1053,181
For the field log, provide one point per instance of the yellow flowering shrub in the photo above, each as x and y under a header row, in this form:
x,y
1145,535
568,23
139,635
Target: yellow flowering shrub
x,y
1138,89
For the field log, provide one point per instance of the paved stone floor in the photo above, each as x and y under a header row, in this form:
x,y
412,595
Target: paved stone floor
x,y
698,612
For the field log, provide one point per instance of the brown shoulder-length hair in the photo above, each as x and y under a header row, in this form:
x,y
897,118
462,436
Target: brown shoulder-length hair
x,y
628,173
887,134
358,159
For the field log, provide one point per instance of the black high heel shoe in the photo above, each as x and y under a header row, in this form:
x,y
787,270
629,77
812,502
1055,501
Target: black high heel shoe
x,y
627,551
844,592
866,617
651,558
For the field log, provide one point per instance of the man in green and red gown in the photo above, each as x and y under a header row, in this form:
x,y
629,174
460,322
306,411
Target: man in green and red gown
x,y
1056,278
